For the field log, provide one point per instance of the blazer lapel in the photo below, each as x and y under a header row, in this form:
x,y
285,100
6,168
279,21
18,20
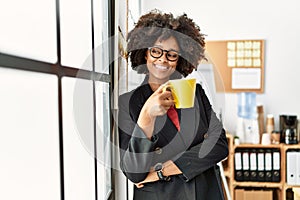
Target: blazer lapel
x,y
189,123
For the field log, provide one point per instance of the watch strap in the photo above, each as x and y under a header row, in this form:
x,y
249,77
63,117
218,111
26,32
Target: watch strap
x,y
161,176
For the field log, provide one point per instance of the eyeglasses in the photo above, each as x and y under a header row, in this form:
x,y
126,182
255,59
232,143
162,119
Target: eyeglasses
x,y
157,52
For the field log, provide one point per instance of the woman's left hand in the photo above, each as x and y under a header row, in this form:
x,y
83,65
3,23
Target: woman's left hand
x,y
152,177
170,168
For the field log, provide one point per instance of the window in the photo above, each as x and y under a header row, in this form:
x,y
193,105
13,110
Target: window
x,y
55,84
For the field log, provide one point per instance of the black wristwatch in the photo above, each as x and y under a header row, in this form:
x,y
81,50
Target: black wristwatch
x,y
159,170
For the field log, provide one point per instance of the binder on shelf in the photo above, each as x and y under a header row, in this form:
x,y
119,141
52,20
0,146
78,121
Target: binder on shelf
x,y
253,165
238,173
246,165
298,169
268,165
291,162
261,165
276,166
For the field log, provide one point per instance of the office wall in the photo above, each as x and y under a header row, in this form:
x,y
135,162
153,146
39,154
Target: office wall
x,y
277,22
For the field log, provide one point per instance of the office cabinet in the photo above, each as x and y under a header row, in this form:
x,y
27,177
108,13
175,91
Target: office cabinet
x,y
261,167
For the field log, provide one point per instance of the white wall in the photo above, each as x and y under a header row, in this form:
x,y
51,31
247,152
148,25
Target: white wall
x,y
276,22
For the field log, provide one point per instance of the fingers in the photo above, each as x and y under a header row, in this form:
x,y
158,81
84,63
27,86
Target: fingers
x,y
167,103
167,100
163,88
164,91
160,101
166,95
139,185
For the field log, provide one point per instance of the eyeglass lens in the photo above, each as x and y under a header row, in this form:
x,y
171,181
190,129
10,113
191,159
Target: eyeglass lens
x,y
157,52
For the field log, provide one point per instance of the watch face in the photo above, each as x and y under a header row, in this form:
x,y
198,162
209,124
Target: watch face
x,y
158,167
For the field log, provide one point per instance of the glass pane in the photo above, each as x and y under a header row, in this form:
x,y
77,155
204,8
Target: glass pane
x,y
103,139
29,143
28,29
76,35
101,41
79,171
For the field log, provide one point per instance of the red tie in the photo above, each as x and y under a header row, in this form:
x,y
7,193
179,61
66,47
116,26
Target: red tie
x,y
172,114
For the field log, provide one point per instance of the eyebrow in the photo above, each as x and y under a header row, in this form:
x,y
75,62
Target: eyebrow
x,y
166,49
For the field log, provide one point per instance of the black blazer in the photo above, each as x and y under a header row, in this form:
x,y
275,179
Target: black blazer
x,y
200,144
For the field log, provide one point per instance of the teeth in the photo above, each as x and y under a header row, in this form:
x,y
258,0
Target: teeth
x,y
161,67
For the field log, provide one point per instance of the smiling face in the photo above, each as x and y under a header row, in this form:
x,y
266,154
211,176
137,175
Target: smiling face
x,y
160,69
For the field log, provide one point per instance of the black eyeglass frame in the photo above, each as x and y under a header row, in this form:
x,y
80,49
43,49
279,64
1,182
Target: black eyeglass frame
x,y
163,50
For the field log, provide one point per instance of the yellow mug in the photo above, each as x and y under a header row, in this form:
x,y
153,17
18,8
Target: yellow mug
x,y
183,92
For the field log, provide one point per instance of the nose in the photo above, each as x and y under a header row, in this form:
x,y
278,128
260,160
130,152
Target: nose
x,y
163,58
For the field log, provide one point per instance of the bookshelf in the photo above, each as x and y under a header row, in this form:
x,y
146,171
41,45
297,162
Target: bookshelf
x,y
280,188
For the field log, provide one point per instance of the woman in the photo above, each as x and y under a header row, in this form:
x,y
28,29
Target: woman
x,y
165,158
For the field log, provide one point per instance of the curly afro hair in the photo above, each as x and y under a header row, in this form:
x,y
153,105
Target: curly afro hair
x,y
156,25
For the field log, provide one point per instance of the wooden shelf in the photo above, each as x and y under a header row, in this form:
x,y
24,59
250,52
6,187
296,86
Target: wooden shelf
x,y
258,146
280,187
291,146
258,184
286,186
227,173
